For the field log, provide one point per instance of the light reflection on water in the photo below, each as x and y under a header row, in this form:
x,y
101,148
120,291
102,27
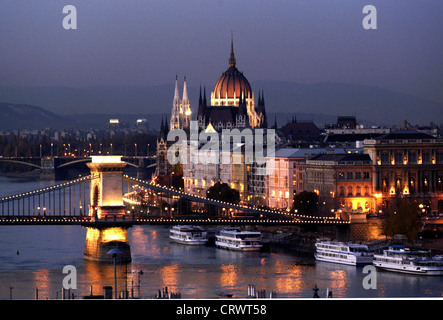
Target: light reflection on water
x,y
34,256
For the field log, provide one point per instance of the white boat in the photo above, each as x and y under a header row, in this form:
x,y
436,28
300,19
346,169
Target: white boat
x,y
235,239
191,235
402,259
343,252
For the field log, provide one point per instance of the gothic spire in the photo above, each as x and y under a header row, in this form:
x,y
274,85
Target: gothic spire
x,y
185,99
200,97
176,93
232,57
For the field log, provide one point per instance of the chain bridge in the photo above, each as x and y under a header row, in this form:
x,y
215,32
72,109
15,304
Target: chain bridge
x,y
98,203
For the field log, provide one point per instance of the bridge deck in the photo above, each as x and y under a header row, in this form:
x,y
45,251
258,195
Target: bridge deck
x,y
128,222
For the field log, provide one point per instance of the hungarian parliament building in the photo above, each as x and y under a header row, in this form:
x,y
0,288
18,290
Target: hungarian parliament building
x,y
365,175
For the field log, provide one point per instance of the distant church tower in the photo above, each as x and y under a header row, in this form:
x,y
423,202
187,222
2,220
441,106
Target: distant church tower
x,y
181,109
180,119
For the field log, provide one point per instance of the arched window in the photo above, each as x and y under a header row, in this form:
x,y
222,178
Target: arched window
x,y
384,185
350,191
367,191
398,158
439,184
411,185
398,185
425,184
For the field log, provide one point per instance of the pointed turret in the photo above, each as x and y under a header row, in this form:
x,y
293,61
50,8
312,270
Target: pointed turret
x,y
176,100
185,100
185,121
232,56
176,104
200,101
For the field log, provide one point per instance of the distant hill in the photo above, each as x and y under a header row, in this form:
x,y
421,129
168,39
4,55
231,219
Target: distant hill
x,y
369,104
22,116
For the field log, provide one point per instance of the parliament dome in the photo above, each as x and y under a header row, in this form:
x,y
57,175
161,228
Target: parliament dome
x,y
232,85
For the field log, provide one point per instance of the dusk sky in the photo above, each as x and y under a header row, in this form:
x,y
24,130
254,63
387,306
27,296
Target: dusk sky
x,y
140,42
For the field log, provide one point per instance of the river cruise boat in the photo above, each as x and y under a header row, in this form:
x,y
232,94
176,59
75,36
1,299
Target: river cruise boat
x,y
236,239
191,235
402,259
343,252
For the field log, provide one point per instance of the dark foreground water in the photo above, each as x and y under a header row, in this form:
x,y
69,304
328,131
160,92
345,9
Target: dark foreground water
x,y
34,256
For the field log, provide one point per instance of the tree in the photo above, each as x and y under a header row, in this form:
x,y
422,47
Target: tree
x,y
305,202
222,192
403,217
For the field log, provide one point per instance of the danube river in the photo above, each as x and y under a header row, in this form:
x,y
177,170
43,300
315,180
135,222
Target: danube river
x,y
33,257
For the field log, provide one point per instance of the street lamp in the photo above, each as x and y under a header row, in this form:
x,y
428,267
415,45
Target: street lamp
x,y
114,253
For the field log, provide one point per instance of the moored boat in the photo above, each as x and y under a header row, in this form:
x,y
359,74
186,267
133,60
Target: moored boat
x,y
190,235
404,260
236,239
343,252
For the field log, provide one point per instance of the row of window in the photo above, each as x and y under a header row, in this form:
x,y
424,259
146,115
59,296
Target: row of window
x,y
411,158
354,175
349,191
399,185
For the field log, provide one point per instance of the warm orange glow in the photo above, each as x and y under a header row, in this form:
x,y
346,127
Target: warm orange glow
x,y
107,235
169,276
229,275
106,159
42,283
115,234
293,280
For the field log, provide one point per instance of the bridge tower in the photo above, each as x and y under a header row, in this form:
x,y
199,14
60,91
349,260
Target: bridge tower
x,y
106,194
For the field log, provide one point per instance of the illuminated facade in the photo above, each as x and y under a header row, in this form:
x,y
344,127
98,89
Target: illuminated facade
x,y
286,175
200,176
232,106
407,164
403,164
342,181
232,102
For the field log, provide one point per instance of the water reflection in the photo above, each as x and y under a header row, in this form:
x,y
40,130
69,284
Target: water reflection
x,y
228,276
42,283
98,275
169,276
288,279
